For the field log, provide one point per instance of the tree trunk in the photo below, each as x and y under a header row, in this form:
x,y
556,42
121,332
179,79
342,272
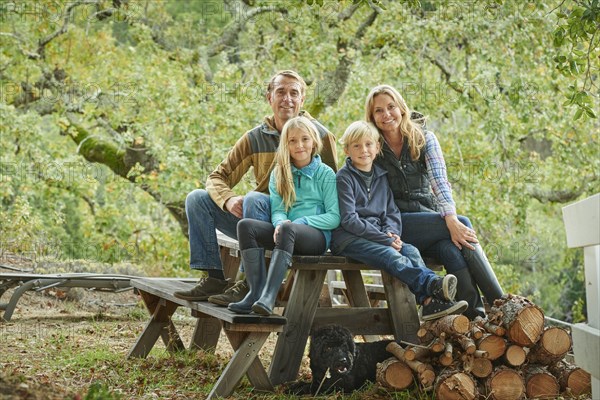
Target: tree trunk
x,y
540,384
394,374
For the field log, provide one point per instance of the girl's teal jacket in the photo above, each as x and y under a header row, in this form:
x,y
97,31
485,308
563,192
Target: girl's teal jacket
x,y
316,198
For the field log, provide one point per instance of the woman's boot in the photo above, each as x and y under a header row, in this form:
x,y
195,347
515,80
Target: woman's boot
x,y
280,261
466,290
482,273
256,275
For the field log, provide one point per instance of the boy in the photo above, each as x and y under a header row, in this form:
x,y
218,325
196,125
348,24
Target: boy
x,y
371,226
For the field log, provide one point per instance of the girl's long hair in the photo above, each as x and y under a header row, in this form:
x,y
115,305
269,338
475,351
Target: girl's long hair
x,y
283,168
408,128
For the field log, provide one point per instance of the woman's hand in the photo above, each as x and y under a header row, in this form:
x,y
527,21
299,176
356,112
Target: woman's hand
x,y
276,233
460,234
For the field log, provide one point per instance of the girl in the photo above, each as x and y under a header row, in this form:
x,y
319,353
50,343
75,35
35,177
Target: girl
x,y
304,211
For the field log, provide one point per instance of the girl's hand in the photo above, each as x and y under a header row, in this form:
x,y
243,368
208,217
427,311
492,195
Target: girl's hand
x,y
460,234
276,233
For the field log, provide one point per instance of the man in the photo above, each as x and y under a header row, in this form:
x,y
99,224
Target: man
x,y
219,207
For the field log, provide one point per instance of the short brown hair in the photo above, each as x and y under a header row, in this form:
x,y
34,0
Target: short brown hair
x,y
290,74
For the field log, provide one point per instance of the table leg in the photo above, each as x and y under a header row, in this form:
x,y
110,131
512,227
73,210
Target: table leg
x,y
300,312
256,371
245,356
357,294
159,325
403,308
206,333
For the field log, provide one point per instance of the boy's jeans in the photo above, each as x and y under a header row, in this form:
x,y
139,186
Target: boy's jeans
x,y
405,265
204,217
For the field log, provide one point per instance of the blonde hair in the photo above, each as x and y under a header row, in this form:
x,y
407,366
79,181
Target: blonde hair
x,y
283,171
408,128
358,130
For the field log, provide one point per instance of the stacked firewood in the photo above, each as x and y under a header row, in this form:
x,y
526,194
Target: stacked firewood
x,y
508,355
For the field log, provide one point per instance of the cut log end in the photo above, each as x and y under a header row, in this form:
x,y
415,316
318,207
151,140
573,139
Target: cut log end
x,y
394,374
527,328
456,386
542,385
505,384
580,382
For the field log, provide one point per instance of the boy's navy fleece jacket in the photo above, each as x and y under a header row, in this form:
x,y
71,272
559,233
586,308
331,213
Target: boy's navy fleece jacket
x,y
365,214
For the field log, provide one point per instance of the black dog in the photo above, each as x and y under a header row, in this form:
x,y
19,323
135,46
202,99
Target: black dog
x,y
338,363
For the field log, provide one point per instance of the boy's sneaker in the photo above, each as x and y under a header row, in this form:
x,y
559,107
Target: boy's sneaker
x,y
205,288
234,294
443,288
440,308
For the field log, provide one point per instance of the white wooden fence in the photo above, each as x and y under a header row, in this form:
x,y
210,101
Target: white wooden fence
x,y
582,223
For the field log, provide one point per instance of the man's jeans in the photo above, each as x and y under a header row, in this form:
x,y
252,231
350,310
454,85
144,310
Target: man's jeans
x,y
405,265
204,217
428,232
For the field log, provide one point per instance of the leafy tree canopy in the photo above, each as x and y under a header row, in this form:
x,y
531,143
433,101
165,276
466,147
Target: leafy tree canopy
x,y
112,111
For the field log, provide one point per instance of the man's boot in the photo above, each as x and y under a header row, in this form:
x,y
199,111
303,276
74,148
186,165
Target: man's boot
x,y
467,290
280,261
235,293
482,273
256,274
205,288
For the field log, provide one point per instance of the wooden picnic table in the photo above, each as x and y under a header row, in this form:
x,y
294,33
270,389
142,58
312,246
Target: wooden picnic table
x,y
302,313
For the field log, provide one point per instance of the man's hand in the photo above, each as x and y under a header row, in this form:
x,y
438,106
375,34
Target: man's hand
x,y
235,205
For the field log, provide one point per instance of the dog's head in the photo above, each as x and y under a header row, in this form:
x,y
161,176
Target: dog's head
x,y
332,347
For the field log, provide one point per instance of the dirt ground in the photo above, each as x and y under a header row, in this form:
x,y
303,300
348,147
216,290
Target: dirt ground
x,y
49,347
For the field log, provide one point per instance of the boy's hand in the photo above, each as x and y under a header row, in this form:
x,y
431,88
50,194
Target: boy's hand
x,y
397,243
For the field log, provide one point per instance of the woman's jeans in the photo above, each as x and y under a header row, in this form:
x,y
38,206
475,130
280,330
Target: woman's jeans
x,y
405,265
429,233
204,217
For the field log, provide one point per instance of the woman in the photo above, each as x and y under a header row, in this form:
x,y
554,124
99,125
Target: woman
x,y
417,175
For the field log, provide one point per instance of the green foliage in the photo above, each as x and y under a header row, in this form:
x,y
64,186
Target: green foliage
x,y
175,84
577,38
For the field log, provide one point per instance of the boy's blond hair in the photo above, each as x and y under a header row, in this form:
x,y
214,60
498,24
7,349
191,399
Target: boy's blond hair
x,y
358,130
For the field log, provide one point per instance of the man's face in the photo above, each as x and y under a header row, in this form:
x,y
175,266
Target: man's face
x,y
286,99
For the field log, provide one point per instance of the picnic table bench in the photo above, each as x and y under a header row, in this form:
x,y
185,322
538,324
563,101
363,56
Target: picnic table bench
x,y
246,333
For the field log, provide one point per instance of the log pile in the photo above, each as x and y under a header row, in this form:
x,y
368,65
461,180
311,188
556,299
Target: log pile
x,y
508,355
